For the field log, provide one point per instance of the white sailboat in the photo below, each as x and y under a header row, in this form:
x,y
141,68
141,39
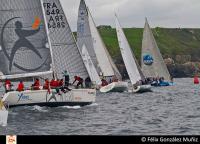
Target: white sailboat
x,y
132,66
50,48
153,65
87,34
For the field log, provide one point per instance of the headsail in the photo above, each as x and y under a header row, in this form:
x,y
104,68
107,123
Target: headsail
x,y
153,64
84,36
130,61
66,55
94,76
23,39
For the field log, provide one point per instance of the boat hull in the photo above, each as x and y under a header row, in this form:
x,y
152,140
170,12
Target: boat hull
x,y
142,89
115,87
76,97
164,84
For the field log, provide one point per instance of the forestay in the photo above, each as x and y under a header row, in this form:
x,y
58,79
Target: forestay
x,y
130,61
23,39
66,55
153,64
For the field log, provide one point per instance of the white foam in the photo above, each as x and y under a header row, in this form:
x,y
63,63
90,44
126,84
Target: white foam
x,y
93,104
40,109
72,107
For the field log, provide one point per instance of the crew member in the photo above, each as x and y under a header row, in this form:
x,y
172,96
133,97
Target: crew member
x,y
67,79
46,84
20,86
104,83
8,85
196,80
88,82
80,81
36,85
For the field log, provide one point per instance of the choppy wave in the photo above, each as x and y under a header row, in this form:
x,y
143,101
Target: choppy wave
x,y
169,110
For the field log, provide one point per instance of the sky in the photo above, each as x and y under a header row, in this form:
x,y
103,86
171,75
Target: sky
x,y
132,13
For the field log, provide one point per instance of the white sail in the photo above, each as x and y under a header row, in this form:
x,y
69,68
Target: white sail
x,y
84,36
128,56
153,64
100,51
90,66
66,54
23,39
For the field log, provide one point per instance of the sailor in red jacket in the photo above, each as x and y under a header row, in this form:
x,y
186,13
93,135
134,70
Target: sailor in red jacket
x,y
80,81
104,83
8,85
36,85
20,86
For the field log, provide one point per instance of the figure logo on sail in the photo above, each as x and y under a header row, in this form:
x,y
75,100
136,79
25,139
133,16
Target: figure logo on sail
x,y
148,59
22,41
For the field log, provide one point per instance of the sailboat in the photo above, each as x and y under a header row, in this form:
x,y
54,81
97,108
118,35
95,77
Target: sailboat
x,y
88,35
132,66
153,65
37,41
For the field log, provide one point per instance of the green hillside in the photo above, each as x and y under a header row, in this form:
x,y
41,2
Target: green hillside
x,y
172,42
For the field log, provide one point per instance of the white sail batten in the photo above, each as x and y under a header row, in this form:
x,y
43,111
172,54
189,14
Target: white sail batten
x,y
153,64
66,54
99,48
23,39
127,54
90,66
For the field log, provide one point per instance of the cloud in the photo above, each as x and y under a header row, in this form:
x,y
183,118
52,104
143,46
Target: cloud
x,y
163,13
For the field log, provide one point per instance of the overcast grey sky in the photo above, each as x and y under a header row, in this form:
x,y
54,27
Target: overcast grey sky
x,y
163,13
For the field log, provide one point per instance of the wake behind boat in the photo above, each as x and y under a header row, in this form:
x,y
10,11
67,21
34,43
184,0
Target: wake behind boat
x,y
135,74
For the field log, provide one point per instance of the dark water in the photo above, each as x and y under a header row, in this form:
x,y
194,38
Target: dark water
x,y
170,110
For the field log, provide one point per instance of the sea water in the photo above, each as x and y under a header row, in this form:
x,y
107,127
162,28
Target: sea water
x,y
167,110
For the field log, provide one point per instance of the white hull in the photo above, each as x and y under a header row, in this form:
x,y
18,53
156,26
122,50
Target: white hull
x,y
115,87
43,98
142,89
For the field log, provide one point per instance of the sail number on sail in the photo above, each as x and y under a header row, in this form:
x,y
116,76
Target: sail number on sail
x,y
56,19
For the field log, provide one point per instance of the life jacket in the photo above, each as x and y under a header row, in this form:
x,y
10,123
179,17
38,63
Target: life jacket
x,y
61,83
104,83
196,80
20,87
8,85
36,85
46,85
79,79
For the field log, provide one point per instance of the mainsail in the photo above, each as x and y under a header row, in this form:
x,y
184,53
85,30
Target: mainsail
x,y
23,39
153,64
66,55
94,76
89,35
132,66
